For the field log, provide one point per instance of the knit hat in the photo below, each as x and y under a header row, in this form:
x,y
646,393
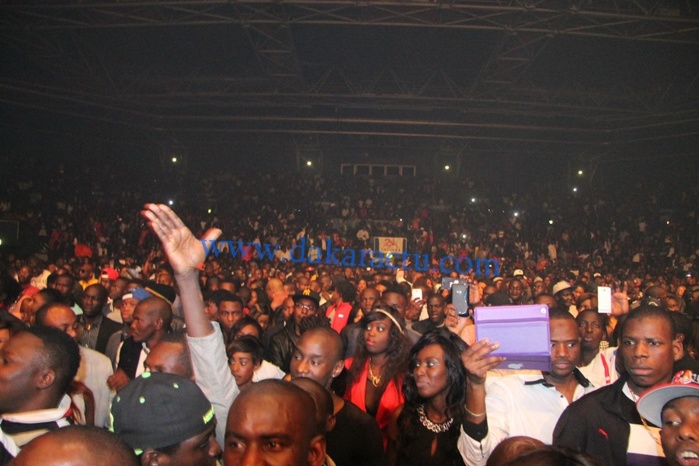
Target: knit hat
x,y
650,405
156,410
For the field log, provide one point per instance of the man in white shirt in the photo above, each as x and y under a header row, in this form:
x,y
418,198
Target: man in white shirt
x,y
514,405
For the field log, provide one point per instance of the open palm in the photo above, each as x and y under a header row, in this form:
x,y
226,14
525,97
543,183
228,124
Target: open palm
x,y
184,251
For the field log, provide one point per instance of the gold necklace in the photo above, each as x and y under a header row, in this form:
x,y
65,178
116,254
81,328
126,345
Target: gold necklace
x,y
436,427
634,397
374,379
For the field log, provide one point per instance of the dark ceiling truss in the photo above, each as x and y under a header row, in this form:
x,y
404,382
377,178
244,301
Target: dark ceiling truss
x,y
659,20
553,117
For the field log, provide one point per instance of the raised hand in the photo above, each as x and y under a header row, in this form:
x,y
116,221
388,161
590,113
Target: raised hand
x,y
451,317
477,361
185,252
620,301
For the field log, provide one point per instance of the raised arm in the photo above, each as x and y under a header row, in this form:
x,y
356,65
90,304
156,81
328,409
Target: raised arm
x,y
475,443
185,253
478,362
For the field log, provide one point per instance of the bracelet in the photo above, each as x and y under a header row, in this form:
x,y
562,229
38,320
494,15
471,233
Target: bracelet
x,y
474,414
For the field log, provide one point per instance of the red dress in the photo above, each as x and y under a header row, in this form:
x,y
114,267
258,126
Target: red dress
x,y
392,397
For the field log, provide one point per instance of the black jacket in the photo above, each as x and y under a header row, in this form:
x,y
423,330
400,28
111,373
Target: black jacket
x,y
598,424
282,346
107,328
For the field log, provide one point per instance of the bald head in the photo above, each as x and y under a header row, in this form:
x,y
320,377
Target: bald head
x,y
151,320
287,418
274,289
156,308
330,342
76,446
322,400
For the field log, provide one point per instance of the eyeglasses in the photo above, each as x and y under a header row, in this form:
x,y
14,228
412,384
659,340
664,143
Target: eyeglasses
x,y
306,307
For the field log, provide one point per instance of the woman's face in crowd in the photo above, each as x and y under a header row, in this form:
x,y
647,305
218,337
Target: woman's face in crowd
x,y
242,368
247,330
253,297
361,285
430,372
377,336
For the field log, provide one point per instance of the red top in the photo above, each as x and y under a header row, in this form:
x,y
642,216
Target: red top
x,y
342,313
391,399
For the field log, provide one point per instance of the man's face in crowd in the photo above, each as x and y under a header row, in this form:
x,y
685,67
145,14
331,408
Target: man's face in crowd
x,y
304,308
368,298
145,323
163,277
648,351
117,288
270,436
515,290
672,305
591,327
229,313
93,300
565,298
85,272
396,300
565,347
62,318
435,309
202,449
538,288
547,300
487,291
680,430
24,275
127,307
315,358
165,358
64,285
20,372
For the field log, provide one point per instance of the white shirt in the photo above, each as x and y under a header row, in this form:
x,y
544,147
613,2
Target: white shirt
x,y
141,367
602,369
267,370
213,375
516,405
95,368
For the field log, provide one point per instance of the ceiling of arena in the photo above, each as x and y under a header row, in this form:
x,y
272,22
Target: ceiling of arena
x,y
338,79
